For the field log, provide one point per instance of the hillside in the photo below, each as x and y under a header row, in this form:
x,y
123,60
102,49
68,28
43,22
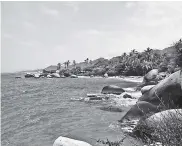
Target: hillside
x,y
132,64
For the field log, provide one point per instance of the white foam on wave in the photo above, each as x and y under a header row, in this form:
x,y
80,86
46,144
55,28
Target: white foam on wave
x,y
124,101
128,126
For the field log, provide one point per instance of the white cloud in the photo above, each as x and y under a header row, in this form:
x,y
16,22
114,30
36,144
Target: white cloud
x,y
154,14
29,25
73,5
129,4
50,11
7,36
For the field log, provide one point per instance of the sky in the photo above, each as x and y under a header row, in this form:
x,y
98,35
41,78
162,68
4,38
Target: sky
x,y
35,35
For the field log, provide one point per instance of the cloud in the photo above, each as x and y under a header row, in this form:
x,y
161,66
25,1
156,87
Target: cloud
x,y
29,25
72,5
129,4
29,43
154,14
50,11
7,36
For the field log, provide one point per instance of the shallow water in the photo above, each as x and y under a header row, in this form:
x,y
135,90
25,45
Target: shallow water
x,y
34,112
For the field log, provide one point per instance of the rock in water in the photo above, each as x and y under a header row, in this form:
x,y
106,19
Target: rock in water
x,y
146,88
105,75
74,76
29,75
127,96
64,141
56,75
112,89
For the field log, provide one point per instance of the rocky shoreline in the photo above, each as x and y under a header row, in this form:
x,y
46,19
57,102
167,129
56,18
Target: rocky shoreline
x,y
143,102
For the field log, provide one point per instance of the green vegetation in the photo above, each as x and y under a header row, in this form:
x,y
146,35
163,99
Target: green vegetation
x,y
131,64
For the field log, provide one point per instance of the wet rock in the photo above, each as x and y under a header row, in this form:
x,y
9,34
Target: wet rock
x,y
55,75
112,89
64,141
140,109
127,96
29,75
74,76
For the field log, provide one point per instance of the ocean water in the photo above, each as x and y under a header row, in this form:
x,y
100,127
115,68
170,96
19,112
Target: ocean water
x,y
34,112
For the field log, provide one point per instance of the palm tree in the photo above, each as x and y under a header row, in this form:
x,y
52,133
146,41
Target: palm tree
x,y
74,63
58,66
147,53
68,62
65,64
86,60
148,50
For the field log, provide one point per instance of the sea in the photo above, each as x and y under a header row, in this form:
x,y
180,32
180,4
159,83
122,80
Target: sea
x,y
35,112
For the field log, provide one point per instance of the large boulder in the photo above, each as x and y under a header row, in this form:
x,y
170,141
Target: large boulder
x,y
166,124
151,76
112,89
55,75
29,75
168,92
146,88
139,110
64,141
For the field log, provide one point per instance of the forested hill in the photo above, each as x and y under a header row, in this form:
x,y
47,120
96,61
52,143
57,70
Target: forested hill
x,y
133,63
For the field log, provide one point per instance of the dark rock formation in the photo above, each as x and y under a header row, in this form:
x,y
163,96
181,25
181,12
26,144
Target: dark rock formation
x,y
168,91
127,96
139,110
112,89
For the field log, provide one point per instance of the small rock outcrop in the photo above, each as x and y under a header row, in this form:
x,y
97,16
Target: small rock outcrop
x,y
64,141
112,89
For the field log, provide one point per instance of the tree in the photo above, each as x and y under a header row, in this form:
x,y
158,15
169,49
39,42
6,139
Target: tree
x,y
74,63
65,64
68,62
86,60
58,66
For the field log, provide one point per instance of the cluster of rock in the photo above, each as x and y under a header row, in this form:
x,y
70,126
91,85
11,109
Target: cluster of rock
x,y
161,95
47,75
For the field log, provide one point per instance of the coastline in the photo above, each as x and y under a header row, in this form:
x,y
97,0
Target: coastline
x,y
136,79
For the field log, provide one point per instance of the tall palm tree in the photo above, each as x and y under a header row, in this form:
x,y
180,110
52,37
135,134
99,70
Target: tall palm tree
x,y
74,63
65,64
68,63
86,60
58,66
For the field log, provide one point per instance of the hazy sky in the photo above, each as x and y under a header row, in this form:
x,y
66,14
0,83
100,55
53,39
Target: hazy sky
x,y
38,34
